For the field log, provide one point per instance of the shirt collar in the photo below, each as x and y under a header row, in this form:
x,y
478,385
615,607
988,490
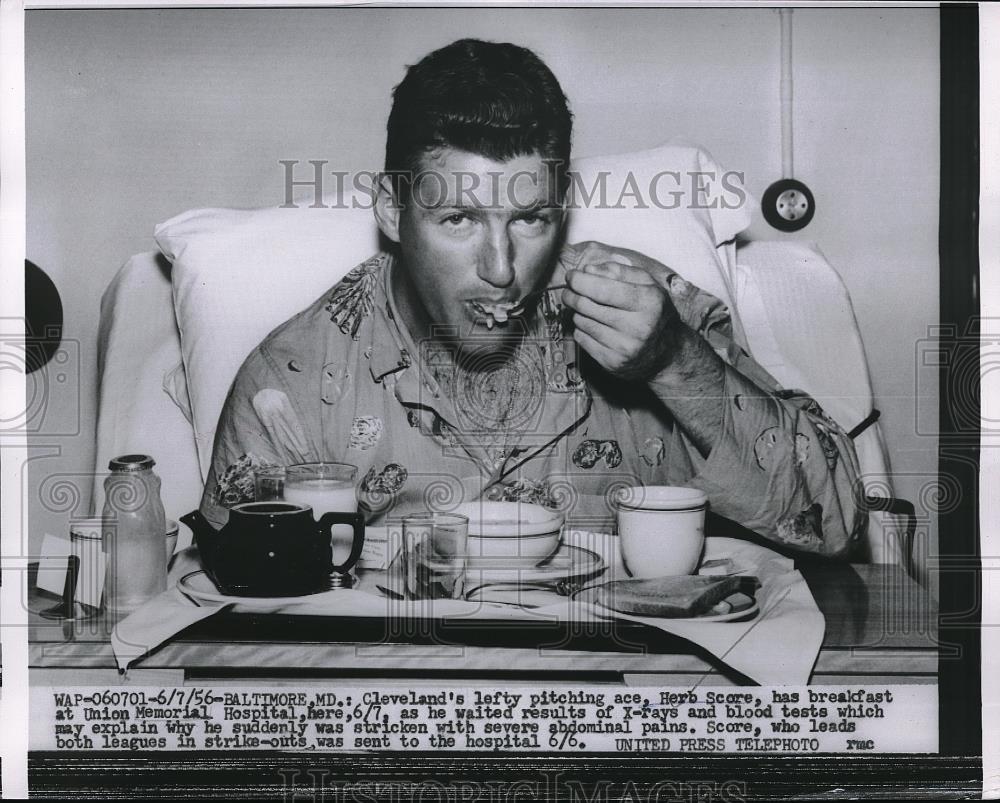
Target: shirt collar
x,y
392,356
395,359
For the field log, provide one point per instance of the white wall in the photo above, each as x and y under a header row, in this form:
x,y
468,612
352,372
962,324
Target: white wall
x,y
134,116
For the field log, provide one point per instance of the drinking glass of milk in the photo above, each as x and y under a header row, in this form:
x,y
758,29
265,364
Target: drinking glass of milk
x,y
326,488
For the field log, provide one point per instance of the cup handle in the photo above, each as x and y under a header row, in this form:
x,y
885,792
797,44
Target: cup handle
x,y
357,522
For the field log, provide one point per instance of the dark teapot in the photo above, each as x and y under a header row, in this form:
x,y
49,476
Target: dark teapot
x,y
273,549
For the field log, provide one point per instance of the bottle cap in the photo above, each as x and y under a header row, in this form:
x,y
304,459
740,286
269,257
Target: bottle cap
x,y
132,462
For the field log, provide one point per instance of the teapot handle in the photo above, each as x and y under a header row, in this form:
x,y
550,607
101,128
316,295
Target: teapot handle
x,y
357,522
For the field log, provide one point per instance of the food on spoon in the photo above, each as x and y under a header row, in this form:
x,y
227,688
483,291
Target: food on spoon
x,y
499,312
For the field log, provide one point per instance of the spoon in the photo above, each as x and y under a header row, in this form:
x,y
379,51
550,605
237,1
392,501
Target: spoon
x,y
519,306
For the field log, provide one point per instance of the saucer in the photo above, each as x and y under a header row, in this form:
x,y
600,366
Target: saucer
x,y
566,563
199,587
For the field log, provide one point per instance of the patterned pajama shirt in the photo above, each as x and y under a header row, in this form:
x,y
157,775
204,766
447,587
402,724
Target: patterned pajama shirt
x,y
344,381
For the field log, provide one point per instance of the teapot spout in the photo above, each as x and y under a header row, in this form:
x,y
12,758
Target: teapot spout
x,y
206,537
199,525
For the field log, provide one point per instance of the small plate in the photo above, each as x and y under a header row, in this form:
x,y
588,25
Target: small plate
x,y
732,616
199,587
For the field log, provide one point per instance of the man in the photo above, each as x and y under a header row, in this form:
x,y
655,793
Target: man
x,y
447,370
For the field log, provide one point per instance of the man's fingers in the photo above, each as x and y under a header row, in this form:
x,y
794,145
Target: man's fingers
x,y
612,339
616,268
587,306
604,356
606,290
595,253
621,320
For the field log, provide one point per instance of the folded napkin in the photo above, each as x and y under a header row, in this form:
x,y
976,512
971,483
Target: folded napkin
x,y
779,646
155,622
163,617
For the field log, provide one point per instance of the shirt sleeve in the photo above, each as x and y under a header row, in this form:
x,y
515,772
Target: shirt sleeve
x,y
781,466
259,427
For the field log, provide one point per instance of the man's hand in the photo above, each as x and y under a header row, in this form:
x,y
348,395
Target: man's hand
x,y
623,317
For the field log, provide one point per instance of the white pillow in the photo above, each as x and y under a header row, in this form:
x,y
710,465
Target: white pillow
x,y
237,274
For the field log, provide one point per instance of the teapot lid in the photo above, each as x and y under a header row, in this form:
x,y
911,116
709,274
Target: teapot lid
x,y
131,462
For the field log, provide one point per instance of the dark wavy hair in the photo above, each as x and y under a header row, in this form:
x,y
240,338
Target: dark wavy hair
x,y
493,99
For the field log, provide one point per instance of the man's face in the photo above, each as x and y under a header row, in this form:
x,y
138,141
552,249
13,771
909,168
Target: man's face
x,y
474,234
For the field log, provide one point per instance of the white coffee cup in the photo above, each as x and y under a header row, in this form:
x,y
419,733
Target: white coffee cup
x,y
661,529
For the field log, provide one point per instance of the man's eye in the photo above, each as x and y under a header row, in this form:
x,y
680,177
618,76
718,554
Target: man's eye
x,y
457,219
533,222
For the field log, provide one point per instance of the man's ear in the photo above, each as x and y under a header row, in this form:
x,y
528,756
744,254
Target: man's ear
x,y
387,209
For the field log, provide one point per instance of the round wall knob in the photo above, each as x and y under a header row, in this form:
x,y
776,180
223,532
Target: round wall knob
x,y
788,205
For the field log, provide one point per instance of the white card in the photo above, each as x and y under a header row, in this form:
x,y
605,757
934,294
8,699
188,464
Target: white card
x,y
52,564
375,549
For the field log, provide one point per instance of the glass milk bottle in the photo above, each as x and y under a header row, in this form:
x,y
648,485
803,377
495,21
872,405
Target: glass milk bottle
x,y
134,532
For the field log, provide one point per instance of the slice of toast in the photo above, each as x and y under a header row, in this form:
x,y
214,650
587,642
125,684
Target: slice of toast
x,y
672,597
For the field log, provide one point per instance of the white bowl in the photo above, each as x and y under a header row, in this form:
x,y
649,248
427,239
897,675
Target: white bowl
x,y
511,529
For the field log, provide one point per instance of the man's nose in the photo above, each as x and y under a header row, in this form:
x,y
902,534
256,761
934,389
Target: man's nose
x,y
496,260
